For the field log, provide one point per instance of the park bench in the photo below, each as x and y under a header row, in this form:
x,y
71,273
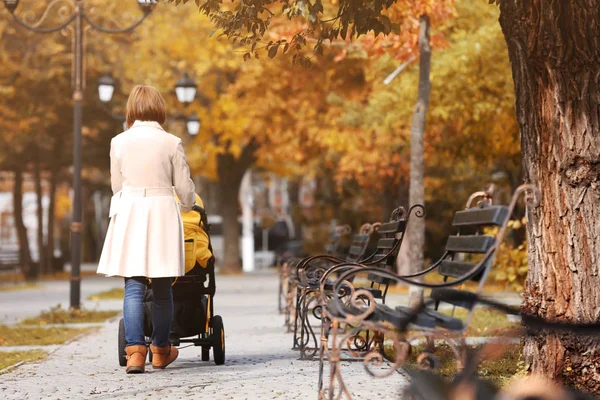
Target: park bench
x,y
288,278
308,272
10,260
469,255
311,290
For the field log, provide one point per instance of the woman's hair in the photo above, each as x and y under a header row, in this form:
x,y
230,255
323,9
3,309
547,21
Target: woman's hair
x,y
145,104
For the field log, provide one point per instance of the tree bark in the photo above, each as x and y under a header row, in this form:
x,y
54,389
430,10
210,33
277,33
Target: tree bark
x,y
294,196
40,212
555,54
411,257
231,229
29,271
394,196
51,218
231,171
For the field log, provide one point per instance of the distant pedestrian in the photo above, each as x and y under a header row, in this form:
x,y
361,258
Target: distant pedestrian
x,y
145,234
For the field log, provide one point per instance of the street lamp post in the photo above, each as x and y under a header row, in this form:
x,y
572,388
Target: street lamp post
x,y
77,17
106,89
185,89
193,124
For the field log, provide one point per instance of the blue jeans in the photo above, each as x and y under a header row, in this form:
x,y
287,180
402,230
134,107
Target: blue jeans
x,y
133,310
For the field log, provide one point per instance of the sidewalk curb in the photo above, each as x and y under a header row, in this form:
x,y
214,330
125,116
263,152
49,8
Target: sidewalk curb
x,y
53,350
11,367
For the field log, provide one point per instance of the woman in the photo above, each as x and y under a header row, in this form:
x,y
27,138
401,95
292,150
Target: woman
x,y
145,234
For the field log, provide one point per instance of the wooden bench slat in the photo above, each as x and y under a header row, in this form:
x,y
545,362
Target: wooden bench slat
x,y
470,243
9,259
392,227
492,215
355,250
438,295
457,269
386,243
377,279
359,239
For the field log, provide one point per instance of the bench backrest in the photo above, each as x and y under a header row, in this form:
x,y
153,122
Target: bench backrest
x,y
358,247
473,247
388,245
335,246
9,256
474,239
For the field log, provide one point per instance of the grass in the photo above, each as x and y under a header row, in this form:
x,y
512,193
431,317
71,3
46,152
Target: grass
x,y
59,276
505,361
18,286
498,370
8,358
112,294
485,322
490,286
37,336
58,315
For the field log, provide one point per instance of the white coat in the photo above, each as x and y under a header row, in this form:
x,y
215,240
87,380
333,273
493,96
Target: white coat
x,y
145,233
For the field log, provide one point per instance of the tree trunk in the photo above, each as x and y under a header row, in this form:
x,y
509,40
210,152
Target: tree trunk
x,y
394,196
51,218
231,171
229,191
90,231
555,55
29,271
294,196
40,212
411,257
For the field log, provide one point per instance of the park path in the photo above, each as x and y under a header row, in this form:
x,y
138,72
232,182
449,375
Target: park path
x,y
259,365
21,304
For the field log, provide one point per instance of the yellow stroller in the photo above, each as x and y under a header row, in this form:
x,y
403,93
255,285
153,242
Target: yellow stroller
x,y
193,294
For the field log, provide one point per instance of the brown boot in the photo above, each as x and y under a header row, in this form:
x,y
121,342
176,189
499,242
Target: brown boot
x,y
163,356
136,359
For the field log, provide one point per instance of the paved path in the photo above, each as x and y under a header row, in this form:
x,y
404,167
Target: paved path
x,y
21,304
260,364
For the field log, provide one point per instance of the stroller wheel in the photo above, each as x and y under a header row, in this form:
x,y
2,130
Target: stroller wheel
x,y
218,339
205,353
149,354
121,344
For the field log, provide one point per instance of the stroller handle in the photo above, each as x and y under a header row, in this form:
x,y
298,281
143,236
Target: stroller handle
x,y
203,216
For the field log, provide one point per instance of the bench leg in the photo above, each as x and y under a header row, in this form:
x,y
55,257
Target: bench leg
x,y
280,294
297,314
311,305
337,388
325,326
303,316
289,308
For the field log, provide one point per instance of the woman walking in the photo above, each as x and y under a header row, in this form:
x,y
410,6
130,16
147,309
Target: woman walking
x,y
145,234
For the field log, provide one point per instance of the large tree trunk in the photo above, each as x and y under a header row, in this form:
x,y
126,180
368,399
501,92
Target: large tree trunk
x,y
230,264
412,252
29,271
555,54
40,212
231,171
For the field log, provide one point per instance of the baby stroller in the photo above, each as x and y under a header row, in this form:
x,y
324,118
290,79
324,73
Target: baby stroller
x,y
193,317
